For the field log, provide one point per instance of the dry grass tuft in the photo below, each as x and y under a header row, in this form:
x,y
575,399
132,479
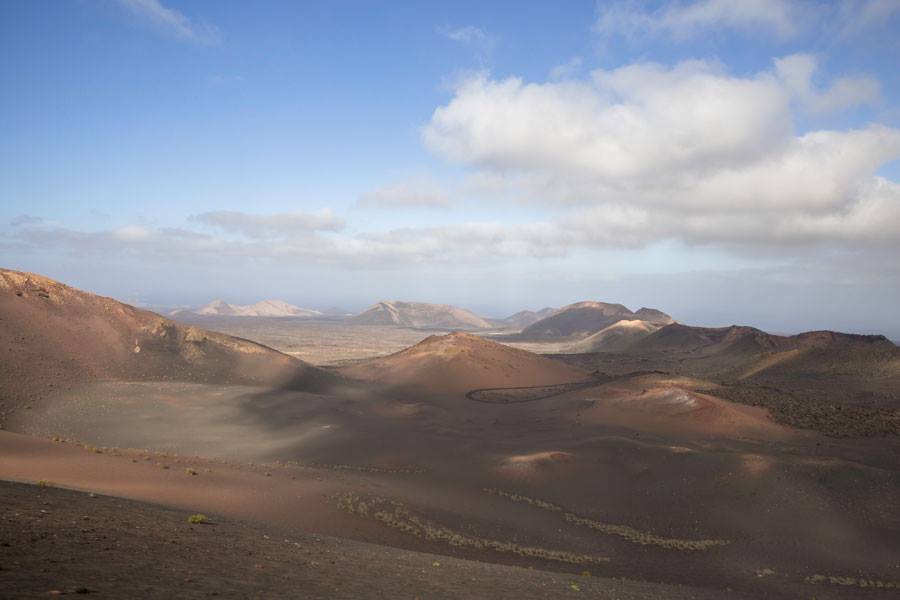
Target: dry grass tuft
x,y
359,468
854,582
395,515
628,533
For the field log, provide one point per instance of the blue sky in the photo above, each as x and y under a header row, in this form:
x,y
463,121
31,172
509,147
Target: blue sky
x,y
727,162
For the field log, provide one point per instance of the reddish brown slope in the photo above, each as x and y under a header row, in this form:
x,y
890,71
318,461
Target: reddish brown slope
x,y
460,362
52,334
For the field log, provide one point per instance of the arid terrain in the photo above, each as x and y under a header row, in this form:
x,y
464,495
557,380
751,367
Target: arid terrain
x,y
650,460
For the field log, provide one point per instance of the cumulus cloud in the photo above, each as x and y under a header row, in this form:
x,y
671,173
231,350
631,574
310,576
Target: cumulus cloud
x,y
627,123
683,20
170,21
406,194
690,152
271,226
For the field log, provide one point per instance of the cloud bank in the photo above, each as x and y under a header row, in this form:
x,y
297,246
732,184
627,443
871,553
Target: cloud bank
x,y
688,152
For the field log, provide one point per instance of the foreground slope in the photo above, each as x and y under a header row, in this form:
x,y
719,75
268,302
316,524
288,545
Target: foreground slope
x,y
460,362
52,335
419,315
158,556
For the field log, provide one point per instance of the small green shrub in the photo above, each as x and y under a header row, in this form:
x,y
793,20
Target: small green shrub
x,y
197,519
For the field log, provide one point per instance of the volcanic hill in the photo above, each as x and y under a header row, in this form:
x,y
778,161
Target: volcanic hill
x,y
52,334
419,315
460,362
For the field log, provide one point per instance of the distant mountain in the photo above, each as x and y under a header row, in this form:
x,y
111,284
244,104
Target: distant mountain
x,y
524,318
583,319
736,339
420,315
746,352
264,308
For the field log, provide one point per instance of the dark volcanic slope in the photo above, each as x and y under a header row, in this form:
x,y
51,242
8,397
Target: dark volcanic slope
x,y
52,334
60,542
582,319
837,383
740,351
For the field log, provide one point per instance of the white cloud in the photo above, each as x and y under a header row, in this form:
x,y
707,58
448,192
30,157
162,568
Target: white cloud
x,y
171,21
406,194
632,122
647,152
133,233
271,226
784,19
683,20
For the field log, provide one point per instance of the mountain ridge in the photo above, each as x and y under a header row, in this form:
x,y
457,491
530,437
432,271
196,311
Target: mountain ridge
x,y
420,315
263,308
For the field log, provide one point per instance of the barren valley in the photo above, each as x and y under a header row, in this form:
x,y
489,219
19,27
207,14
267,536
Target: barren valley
x,y
675,462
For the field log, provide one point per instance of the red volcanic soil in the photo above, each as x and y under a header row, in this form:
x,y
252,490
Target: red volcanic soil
x,y
459,362
672,406
52,335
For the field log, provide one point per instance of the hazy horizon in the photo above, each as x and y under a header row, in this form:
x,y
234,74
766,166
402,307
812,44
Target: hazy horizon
x,y
723,164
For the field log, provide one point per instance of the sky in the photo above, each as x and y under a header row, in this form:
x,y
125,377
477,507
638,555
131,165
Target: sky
x,y
725,162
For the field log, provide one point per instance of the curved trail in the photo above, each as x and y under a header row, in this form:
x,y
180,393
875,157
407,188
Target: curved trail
x,y
558,389
564,388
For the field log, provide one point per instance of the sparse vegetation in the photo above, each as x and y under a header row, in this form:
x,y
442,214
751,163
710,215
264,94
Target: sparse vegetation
x,y
805,411
197,519
358,468
397,516
853,582
629,533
